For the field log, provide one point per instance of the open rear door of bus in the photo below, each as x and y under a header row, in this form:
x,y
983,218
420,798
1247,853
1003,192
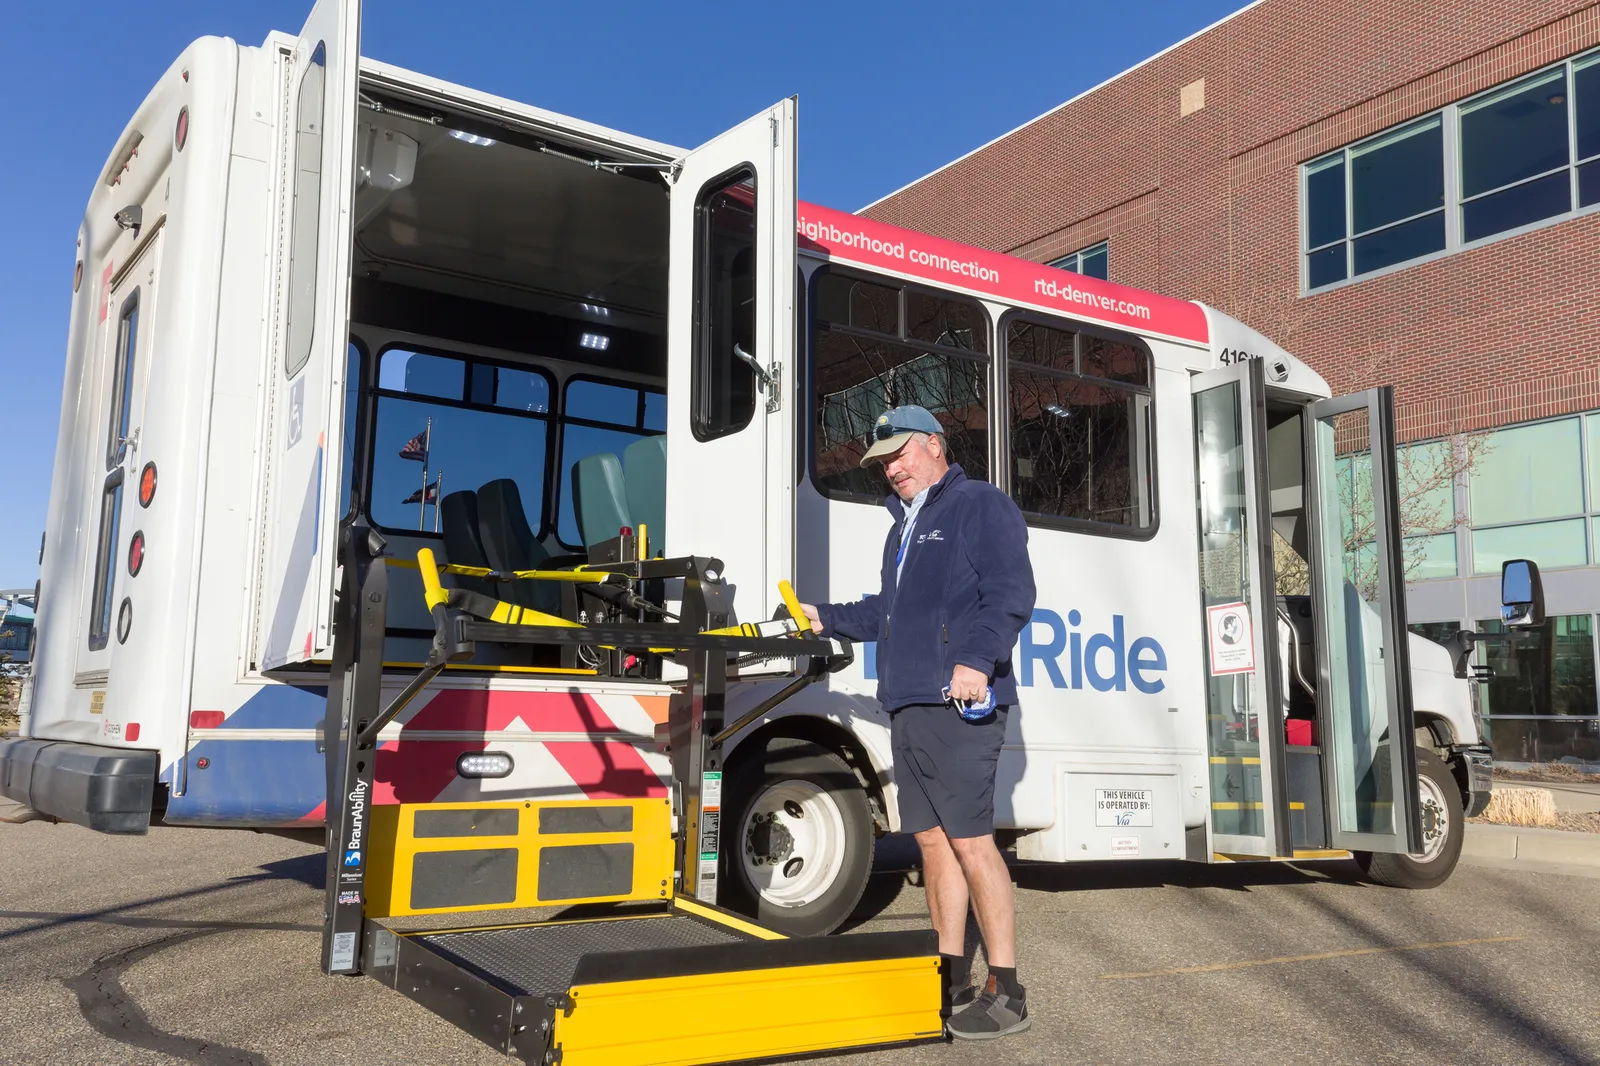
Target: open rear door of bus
x,y
1358,598
1244,722
731,397
311,327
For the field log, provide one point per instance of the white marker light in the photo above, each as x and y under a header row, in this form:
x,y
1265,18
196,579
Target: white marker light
x,y
484,764
598,341
472,138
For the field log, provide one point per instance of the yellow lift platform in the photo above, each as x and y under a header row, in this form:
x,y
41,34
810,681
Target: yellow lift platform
x,y
642,967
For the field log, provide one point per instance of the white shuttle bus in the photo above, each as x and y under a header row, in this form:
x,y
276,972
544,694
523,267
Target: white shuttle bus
x,y
312,288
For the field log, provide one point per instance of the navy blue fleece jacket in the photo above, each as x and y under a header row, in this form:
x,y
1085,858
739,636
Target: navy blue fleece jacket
x,y
965,592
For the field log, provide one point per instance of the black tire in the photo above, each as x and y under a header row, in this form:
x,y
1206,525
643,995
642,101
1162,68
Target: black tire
x,y
761,772
1441,813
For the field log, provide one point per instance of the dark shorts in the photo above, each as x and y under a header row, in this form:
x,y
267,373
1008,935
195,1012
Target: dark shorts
x,y
944,768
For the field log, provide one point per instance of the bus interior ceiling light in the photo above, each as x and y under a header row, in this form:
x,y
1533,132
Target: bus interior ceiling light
x,y
598,341
1057,410
472,138
484,764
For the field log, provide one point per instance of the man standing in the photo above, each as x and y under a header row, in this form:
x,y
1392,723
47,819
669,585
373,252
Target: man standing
x,y
957,589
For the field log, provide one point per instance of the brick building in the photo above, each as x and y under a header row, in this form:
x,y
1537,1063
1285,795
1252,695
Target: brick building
x,y
1399,193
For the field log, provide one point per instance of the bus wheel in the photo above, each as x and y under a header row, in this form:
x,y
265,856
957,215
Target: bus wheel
x,y
796,836
1443,827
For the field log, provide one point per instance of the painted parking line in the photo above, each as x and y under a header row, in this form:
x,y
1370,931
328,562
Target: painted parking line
x,y
1219,967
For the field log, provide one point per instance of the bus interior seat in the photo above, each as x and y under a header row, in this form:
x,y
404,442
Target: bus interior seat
x,y
599,497
509,542
458,521
644,469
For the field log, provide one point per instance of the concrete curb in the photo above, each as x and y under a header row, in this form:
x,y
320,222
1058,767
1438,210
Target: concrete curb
x,y
1501,844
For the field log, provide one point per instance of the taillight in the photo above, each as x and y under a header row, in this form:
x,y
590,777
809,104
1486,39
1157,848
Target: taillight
x,y
181,135
147,484
77,276
124,620
136,554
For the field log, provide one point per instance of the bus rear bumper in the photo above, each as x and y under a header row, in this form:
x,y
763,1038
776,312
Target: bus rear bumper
x,y
109,790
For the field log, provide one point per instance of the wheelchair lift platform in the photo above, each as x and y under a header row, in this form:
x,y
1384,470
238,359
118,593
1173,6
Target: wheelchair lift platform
x,y
641,967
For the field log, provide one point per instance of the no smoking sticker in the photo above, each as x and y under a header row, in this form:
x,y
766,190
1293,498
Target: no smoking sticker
x,y
1233,646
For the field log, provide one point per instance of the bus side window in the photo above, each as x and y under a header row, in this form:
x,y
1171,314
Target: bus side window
x,y
1080,427
723,388
878,344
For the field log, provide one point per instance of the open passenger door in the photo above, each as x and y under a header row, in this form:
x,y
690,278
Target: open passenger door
x,y
310,327
731,363
1358,592
1238,588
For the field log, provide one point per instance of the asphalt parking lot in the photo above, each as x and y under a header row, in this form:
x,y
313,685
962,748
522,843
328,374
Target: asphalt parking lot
x,y
197,946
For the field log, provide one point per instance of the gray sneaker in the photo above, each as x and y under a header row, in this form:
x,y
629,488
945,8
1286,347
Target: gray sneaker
x,y
993,1014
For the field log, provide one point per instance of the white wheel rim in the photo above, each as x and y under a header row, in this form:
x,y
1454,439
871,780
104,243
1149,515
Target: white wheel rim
x,y
792,843
1436,826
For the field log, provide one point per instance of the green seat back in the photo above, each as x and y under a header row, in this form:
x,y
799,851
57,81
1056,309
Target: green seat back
x,y
599,497
644,466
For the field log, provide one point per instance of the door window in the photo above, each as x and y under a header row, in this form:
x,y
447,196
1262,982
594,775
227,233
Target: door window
x,y
119,425
1236,711
723,386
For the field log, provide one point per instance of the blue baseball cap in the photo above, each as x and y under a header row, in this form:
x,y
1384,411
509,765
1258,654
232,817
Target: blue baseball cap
x,y
895,427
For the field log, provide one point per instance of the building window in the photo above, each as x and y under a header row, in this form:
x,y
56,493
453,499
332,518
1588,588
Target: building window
x,y
876,344
1080,430
1526,497
1093,261
1512,157
1428,516
1542,701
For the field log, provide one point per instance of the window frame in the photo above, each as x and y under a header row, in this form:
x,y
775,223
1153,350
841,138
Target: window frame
x,y
1077,257
1035,519
119,415
808,341
1449,116
377,393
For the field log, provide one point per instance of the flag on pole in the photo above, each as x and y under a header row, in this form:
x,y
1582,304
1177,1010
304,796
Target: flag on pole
x,y
417,496
417,448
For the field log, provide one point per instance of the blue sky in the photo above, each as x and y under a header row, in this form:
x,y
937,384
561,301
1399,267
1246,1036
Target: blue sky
x,y
888,91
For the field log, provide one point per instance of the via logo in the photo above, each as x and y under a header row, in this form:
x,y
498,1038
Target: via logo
x,y
935,534
352,857
1125,818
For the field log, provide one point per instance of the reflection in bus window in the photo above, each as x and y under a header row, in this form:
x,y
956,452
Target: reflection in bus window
x,y
938,361
601,416
723,387
432,437
1081,445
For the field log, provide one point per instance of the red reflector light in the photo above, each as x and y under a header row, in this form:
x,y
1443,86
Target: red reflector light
x,y
181,134
147,484
206,719
136,554
131,732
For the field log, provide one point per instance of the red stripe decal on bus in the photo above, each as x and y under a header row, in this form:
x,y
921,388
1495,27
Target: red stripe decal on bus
x,y
869,243
540,712
608,769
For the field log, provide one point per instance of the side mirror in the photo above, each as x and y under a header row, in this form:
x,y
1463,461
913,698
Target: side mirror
x,y
1521,594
